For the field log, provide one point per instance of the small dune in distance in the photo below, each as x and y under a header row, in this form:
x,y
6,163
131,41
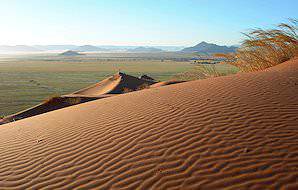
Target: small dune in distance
x,y
70,53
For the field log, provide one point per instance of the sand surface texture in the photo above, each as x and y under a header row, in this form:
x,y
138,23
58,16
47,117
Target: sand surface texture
x,y
234,132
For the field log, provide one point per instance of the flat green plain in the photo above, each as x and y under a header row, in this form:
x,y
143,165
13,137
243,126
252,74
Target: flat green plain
x,y
28,80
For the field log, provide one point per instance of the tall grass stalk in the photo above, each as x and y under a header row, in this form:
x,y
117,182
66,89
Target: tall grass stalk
x,y
262,48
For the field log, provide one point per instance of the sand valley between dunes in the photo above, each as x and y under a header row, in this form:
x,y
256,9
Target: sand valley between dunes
x,y
234,132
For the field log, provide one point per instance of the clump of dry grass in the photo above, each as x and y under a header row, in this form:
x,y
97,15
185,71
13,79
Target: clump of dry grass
x,y
266,48
73,100
143,86
61,100
53,99
126,90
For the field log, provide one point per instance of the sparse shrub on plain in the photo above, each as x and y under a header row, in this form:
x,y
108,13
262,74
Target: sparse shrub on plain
x,y
203,71
188,76
208,70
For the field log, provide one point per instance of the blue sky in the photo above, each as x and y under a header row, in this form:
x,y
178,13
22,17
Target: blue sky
x,y
137,22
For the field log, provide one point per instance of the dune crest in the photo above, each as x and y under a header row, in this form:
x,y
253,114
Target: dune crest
x,y
116,84
236,132
165,83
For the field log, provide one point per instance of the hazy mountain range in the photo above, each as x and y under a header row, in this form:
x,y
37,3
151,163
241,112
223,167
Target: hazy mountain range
x,y
202,47
210,48
84,48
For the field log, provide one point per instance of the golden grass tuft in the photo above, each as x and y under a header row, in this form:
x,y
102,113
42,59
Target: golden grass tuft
x,y
126,90
61,100
266,48
143,86
53,99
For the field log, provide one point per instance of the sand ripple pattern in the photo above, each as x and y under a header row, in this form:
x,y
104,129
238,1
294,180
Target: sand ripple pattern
x,y
236,132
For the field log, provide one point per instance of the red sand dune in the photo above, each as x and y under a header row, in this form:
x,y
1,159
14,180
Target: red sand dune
x,y
234,132
116,84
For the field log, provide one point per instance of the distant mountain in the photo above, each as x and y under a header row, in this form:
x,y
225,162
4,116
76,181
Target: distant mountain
x,y
89,48
70,53
146,50
18,48
209,48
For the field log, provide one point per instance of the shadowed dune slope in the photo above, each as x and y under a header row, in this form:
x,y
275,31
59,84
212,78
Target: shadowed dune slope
x,y
237,132
50,105
116,84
